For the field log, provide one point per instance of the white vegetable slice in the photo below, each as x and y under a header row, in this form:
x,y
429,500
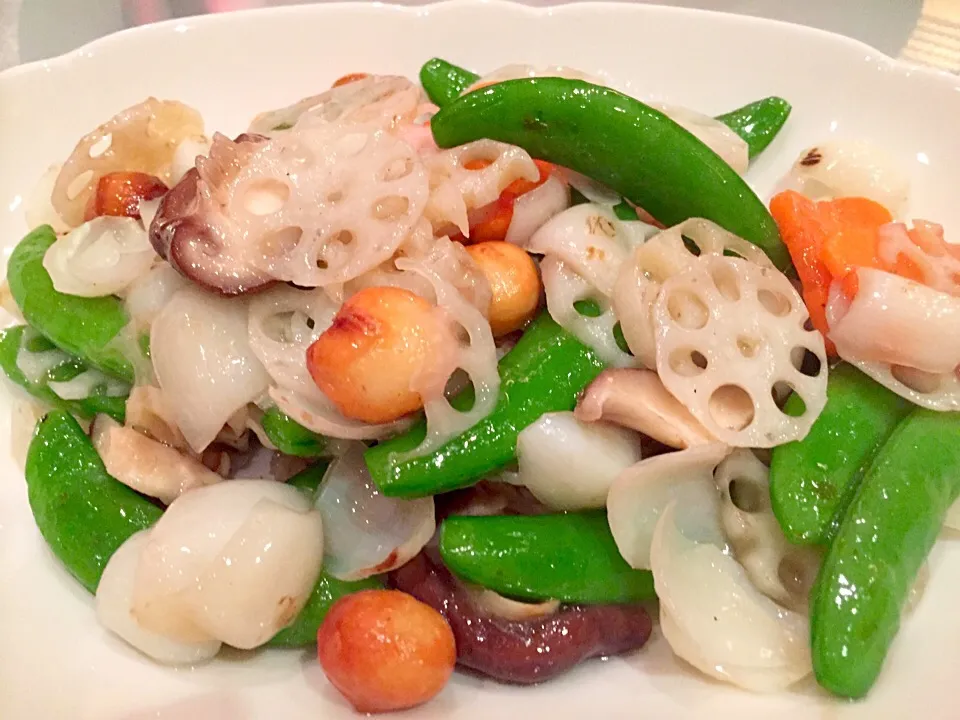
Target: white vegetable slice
x,y
141,138
149,293
713,617
534,208
924,249
895,321
35,365
660,258
38,207
86,383
315,412
777,568
497,605
730,334
934,391
517,71
642,492
184,159
101,257
114,603
564,288
455,189
146,465
850,169
366,532
570,465
204,363
711,132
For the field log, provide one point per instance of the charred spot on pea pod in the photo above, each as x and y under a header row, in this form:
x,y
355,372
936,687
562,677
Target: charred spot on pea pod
x,y
813,157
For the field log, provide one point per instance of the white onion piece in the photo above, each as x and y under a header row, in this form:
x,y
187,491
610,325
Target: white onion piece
x,y
711,132
532,209
897,321
517,71
713,618
114,603
495,604
146,465
930,390
86,383
101,257
638,497
185,158
204,363
594,192
38,206
150,293
850,169
365,532
570,465
194,533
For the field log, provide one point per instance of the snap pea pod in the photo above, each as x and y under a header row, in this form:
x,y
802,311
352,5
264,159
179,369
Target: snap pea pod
x,y
309,480
758,123
813,480
289,436
95,404
544,372
81,326
883,539
570,557
83,514
443,81
619,141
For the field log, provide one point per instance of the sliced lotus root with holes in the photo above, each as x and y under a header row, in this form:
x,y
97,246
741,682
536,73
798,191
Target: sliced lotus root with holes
x,y
455,189
142,138
386,100
777,568
933,391
730,337
660,258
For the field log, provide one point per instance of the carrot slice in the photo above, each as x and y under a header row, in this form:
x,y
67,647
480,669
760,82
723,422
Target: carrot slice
x,y
851,225
494,219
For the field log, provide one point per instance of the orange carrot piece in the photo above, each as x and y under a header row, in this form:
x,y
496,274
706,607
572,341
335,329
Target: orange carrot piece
x,y
496,220
851,225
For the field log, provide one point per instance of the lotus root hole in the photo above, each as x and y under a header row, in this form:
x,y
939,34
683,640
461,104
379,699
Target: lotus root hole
x,y
726,280
79,184
808,325
690,245
917,380
727,252
748,345
265,197
397,169
280,242
797,572
480,159
746,495
806,361
101,146
688,362
688,310
774,303
344,237
731,407
390,207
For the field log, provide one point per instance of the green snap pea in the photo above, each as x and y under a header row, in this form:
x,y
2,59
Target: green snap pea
x,y
883,539
309,480
81,326
290,437
303,631
619,141
570,557
443,81
11,340
544,372
813,480
83,514
758,123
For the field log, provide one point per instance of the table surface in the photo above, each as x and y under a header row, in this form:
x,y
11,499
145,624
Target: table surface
x,y
51,27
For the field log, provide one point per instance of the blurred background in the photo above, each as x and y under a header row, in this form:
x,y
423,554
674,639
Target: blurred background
x,y
929,31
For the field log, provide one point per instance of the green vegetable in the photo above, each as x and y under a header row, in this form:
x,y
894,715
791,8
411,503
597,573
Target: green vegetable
x,y
82,512
813,480
10,342
628,146
544,372
444,81
81,326
883,539
309,480
758,123
303,631
625,211
569,557
290,437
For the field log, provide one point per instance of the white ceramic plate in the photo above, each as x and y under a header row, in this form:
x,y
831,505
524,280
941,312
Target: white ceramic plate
x,y
56,662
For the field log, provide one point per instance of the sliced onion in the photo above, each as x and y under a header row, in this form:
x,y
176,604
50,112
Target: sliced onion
x,y
570,465
101,257
151,292
367,533
146,465
717,621
114,603
640,494
533,209
182,590
204,364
